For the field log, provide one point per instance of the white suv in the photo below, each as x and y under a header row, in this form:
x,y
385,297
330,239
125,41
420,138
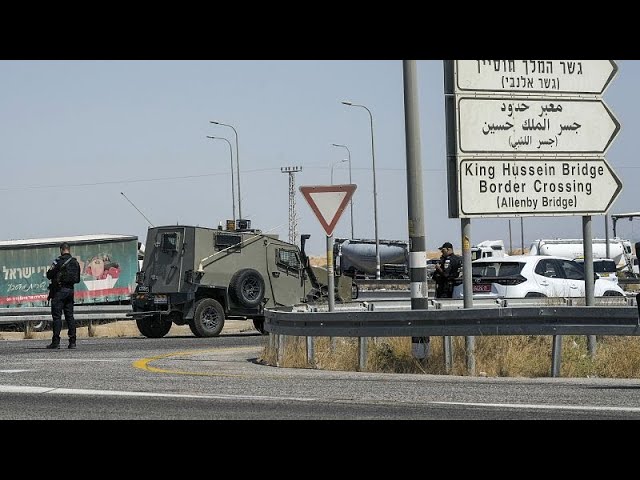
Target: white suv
x,y
527,276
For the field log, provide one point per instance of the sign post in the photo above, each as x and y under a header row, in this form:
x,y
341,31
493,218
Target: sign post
x,y
328,202
528,137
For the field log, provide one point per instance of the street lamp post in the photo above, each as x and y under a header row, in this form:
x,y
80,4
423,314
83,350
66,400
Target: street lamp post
x,y
233,193
350,181
237,165
333,165
375,195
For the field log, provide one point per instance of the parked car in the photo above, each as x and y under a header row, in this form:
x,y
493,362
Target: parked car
x,y
528,276
605,268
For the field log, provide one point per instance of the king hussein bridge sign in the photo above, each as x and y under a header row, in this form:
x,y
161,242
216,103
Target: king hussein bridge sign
x,y
506,187
528,137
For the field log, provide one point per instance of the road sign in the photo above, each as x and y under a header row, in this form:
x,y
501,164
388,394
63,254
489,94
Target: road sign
x,y
328,202
558,186
544,126
548,76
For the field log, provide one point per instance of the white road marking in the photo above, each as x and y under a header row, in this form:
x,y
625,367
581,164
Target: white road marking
x,y
117,393
15,371
586,408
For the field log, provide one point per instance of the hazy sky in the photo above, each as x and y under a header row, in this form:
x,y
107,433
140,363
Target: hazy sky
x,y
74,134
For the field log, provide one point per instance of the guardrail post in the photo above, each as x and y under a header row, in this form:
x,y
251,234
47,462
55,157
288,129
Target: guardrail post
x,y
27,329
310,352
447,346
362,353
591,346
370,308
470,356
448,353
556,355
91,330
280,350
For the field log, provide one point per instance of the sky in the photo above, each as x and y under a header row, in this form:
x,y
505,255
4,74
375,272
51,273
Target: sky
x,y
75,135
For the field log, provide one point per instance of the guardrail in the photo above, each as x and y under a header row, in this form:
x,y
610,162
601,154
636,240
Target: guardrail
x,y
610,316
33,315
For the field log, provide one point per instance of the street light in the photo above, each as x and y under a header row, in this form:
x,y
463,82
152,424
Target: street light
x,y
233,193
237,165
333,165
350,201
375,200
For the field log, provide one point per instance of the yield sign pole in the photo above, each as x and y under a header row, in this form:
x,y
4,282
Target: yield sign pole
x,y
328,202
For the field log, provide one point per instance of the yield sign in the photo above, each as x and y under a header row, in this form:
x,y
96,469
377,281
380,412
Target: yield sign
x,y
328,202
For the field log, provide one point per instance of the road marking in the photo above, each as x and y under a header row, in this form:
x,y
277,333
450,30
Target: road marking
x,y
586,408
119,393
15,371
143,363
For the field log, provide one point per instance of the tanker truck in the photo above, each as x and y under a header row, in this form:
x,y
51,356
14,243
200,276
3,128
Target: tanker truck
x,y
356,258
620,251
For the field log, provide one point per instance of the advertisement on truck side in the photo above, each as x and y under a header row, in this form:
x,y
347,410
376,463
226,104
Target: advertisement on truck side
x,y
108,270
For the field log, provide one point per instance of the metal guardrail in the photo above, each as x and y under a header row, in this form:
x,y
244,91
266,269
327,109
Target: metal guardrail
x,y
557,320
80,312
447,317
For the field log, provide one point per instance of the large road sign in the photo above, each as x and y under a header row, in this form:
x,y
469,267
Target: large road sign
x,y
523,125
328,202
535,142
505,187
546,76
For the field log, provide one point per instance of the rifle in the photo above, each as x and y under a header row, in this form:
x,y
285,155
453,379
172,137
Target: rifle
x,y
55,284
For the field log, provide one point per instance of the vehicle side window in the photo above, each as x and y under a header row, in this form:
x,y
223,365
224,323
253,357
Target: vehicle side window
x,y
572,270
288,259
547,268
227,241
508,269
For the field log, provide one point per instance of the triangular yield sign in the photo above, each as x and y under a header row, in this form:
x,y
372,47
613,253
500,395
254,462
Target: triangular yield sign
x,y
328,202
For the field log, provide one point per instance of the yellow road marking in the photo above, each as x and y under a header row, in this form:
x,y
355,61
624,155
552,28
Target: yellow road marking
x,y
143,363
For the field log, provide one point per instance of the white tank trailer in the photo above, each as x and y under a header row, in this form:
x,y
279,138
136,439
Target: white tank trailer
x,y
357,258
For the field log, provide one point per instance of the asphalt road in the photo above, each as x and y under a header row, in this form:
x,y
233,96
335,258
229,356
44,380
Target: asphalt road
x,y
189,378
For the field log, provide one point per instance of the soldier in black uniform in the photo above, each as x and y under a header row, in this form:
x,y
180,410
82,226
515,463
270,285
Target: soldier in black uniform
x,y
63,273
447,271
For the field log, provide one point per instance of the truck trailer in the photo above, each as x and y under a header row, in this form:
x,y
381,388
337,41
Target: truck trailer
x,y
108,265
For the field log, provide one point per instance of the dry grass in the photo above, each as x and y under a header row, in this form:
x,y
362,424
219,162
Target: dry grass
x,y
495,356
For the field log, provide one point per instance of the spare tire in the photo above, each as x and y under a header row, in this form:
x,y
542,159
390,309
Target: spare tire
x,y
247,288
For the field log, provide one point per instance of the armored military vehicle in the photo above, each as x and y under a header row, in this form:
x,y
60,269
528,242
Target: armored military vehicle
x,y
201,276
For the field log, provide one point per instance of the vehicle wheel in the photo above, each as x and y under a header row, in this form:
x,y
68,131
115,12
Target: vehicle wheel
x,y
258,323
208,319
153,327
355,291
612,293
194,330
247,288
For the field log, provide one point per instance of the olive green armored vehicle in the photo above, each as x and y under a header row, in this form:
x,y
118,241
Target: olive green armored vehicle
x,y
201,276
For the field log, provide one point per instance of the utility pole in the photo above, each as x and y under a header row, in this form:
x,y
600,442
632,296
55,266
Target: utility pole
x,y
293,223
